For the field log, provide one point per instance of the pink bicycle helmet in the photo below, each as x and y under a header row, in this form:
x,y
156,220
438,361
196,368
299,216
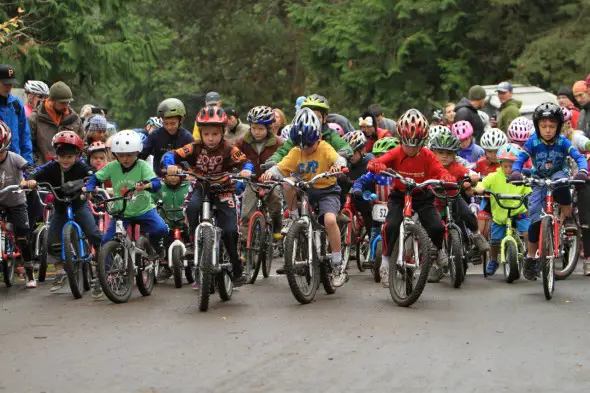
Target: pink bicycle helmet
x,y
567,114
336,127
519,130
462,129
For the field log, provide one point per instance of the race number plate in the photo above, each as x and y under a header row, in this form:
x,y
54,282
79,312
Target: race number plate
x,y
379,212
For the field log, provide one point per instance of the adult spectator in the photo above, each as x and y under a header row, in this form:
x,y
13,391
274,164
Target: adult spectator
x,y
12,112
382,121
52,116
342,121
449,114
581,95
36,91
235,129
280,121
467,108
566,99
510,108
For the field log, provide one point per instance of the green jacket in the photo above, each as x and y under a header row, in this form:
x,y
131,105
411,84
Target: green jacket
x,y
509,111
497,182
328,135
172,198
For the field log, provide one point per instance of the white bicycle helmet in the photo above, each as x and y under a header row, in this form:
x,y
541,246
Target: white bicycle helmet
x,y
356,139
493,139
126,141
37,88
286,131
155,122
261,115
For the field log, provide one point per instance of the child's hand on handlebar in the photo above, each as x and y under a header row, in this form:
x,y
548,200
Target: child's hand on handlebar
x,y
143,186
335,169
172,170
244,173
30,184
266,176
475,178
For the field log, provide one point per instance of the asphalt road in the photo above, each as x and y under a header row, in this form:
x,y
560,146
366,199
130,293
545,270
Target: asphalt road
x,y
485,337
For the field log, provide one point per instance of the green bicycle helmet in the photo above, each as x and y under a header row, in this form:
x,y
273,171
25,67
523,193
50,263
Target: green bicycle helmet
x,y
171,107
383,145
445,140
317,102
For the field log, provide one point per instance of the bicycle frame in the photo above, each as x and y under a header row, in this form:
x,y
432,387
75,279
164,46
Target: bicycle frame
x,y
86,256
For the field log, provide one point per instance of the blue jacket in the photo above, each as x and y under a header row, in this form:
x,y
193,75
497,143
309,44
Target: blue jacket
x,y
17,121
378,184
160,142
548,159
472,153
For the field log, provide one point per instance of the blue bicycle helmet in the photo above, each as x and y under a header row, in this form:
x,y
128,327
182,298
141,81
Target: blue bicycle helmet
x,y
306,129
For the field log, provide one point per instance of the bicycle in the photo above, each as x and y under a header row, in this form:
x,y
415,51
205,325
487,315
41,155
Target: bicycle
x,y
554,242
40,236
75,252
177,256
9,251
415,251
118,261
512,250
307,261
355,234
374,252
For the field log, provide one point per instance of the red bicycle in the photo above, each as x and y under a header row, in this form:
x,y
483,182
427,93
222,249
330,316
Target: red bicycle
x,y
9,251
355,235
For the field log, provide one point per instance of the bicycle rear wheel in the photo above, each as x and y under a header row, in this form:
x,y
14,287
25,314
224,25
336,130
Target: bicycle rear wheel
x,y
115,275
571,253
73,264
362,248
42,246
301,269
268,251
378,259
546,257
225,284
9,263
146,269
455,255
177,266
408,279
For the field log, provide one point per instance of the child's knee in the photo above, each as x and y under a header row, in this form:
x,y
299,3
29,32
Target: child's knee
x,y
330,220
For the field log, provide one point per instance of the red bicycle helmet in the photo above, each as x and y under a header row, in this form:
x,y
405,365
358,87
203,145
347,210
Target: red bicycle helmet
x,y
96,146
413,128
67,138
212,116
5,136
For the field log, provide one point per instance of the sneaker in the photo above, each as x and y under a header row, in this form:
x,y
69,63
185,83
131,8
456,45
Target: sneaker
x,y
196,285
492,267
384,274
58,282
96,291
164,274
529,269
570,225
281,270
286,226
30,283
434,275
586,266
338,276
481,243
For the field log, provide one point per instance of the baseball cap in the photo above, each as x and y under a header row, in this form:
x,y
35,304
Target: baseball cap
x,y
231,111
504,87
476,93
212,98
7,74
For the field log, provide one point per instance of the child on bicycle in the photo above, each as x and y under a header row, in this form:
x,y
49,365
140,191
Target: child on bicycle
x,y
67,166
412,161
357,166
96,155
258,144
445,146
212,156
548,151
96,129
497,182
312,156
469,150
12,167
129,172
172,196
491,141
519,131
374,183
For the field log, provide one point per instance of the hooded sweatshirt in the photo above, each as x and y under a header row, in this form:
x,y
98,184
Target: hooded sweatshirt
x,y
465,111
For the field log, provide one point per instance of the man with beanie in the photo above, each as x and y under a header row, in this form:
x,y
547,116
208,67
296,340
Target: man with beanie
x,y
581,95
510,108
467,108
52,116
566,99
12,112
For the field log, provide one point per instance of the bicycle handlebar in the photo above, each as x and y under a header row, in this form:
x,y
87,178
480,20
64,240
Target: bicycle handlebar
x,y
411,183
305,184
548,182
507,197
76,186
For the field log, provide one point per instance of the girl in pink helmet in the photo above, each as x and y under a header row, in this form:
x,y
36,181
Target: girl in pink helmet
x,y
469,150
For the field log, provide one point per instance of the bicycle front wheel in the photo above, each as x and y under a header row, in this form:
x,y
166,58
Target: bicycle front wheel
x,y
114,274
546,257
146,269
42,246
73,264
455,255
407,278
205,268
255,248
511,268
302,269
268,251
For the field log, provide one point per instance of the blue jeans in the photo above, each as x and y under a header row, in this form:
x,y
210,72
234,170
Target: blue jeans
x,y
83,216
149,222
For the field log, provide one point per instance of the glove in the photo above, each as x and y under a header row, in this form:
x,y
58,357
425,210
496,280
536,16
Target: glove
x,y
357,194
376,166
240,187
515,176
581,175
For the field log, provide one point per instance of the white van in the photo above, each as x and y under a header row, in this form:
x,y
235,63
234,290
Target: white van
x,y
531,97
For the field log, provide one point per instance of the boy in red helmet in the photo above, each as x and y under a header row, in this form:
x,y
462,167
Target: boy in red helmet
x,y
211,156
412,161
67,166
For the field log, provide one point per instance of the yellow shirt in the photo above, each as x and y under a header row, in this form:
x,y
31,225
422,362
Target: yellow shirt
x,y
196,132
307,166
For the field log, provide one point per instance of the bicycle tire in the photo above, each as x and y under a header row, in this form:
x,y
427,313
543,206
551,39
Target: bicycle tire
x,y
205,269
326,269
546,257
296,246
145,279
189,274
177,266
455,256
254,247
106,253
361,248
511,267
43,256
223,279
8,264
345,241
268,252
397,273
571,253
378,259
73,265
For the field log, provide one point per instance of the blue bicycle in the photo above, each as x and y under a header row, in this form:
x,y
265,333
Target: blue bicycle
x,y
75,251
375,251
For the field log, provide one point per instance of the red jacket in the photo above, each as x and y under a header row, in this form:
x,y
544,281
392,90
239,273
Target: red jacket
x,y
421,167
457,170
381,133
575,116
484,167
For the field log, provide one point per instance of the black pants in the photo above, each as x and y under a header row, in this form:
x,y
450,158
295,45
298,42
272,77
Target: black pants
x,y
463,214
19,218
423,204
34,209
584,215
226,219
364,208
345,185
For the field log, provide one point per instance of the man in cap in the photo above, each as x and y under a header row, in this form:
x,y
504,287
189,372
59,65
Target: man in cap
x,y
235,129
52,116
211,98
467,108
510,108
12,112
581,95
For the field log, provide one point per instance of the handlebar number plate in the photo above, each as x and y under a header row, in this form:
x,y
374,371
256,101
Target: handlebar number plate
x,y
379,212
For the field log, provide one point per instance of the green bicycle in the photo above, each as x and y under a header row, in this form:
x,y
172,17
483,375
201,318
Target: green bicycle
x,y
512,250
